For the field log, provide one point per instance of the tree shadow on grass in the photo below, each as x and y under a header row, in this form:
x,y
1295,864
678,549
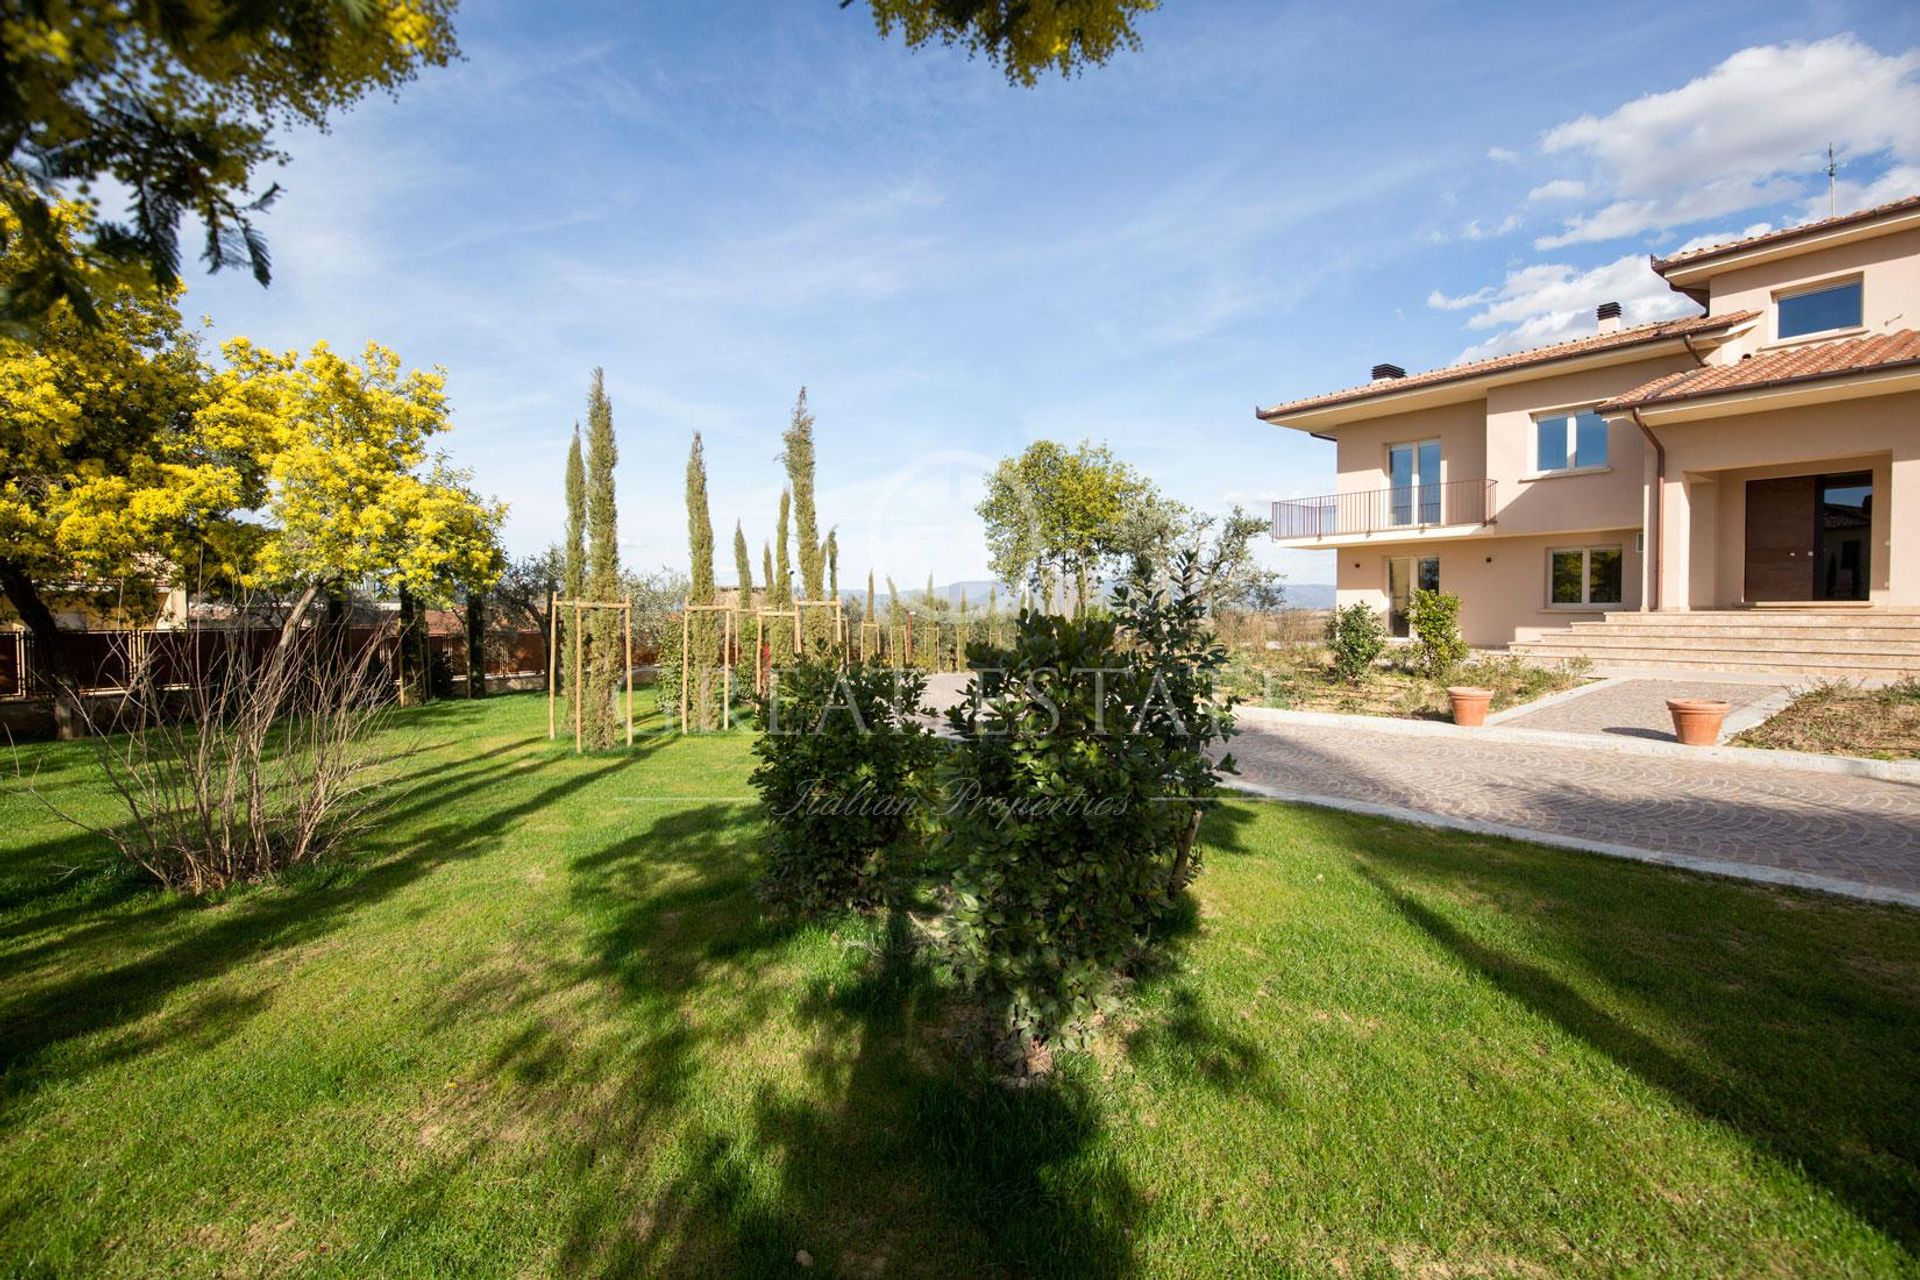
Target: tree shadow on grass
x,y
751,1106
98,998
1770,1025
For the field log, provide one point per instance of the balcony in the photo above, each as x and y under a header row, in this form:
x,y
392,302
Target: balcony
x,y
1384,515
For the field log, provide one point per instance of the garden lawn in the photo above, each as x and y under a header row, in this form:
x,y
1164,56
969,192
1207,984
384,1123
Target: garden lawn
x,y
541,1026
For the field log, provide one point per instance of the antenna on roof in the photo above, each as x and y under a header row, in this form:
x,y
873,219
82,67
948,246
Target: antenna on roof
x,y
1832,169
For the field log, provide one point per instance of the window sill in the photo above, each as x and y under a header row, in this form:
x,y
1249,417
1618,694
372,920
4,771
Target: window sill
x,y
1567,471
1582,608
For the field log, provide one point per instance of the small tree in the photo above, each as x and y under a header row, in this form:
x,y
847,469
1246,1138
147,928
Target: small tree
x,y
1357,639
841,772
698,664
606,649
742,566
573,578
1071,802
1435,618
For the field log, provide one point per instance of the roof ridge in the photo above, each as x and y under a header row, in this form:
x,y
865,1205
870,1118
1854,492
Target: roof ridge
x,y
1660,265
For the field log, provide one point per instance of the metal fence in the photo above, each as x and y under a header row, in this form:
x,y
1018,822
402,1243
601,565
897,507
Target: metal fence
x,y
1409,507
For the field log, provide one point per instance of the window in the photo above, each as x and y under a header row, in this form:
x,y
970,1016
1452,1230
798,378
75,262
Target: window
x,y
1584,575
1836,306
1406,575
1569,441
1413,471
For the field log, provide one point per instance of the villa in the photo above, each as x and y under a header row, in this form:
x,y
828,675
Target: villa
x,y
1736,489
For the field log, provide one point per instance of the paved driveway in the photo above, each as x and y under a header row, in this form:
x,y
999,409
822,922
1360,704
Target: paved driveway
x,y
1853,835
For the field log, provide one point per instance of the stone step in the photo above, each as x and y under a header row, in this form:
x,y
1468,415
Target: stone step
x,y
1821,642
1835,634
1793,661
1783,619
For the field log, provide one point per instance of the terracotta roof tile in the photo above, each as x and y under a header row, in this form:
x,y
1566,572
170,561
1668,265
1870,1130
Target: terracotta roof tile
x,y
1644,333
1798,364
1662,265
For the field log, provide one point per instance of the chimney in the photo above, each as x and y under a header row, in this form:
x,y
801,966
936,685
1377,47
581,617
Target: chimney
x,y
1388,372
1608,313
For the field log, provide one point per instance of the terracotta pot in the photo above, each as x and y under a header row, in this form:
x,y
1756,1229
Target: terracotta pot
x,y
1696,721
1469,704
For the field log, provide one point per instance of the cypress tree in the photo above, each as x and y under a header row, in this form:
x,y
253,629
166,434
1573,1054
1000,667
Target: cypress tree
x,y
695,662
742,566
574,568
963,602
603,568
699,525
832,548
993,603
798,456
871,616
933,601
766,571
783,567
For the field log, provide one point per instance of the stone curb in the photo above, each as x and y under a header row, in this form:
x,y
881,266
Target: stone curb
x,y
1796,761
1684,861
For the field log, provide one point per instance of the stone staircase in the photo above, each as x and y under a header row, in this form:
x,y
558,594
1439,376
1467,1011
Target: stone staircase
x,y
1877,643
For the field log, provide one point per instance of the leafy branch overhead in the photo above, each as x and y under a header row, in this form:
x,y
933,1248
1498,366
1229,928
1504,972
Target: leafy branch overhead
x,y
178,104
1024,38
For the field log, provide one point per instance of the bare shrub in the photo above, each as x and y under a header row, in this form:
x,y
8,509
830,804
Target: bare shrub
x,y
233,760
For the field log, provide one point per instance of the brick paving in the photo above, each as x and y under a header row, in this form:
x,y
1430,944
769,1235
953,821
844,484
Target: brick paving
x,y
1638,708
1827,830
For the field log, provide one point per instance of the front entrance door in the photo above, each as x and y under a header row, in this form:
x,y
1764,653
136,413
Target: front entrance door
x,y
1840,556
1405,575
1807,537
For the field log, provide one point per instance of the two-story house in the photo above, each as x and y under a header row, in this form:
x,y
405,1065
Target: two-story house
x,y
1640,495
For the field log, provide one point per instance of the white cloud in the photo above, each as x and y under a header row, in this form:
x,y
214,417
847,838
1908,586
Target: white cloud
x,y
1500,155
1558,189
1751,132
1553,302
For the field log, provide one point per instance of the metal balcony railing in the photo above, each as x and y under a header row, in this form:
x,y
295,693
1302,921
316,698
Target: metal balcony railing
x,y
1412,508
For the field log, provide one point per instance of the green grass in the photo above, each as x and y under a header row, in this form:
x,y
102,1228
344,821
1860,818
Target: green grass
x,y
540,1026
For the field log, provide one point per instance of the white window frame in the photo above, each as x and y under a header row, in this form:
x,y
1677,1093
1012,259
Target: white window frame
x,y
1541,471
1415,522
1802,290
1587,604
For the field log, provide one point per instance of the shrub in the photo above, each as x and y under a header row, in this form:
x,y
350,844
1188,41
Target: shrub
x,y
1435,618
243,764
841,773
1357,639
1063,845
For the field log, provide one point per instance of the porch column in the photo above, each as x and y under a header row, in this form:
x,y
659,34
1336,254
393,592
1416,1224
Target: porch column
x,y
1676,545
1896,529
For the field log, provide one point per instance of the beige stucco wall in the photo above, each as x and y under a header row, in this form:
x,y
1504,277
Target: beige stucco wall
x,y
1528,502
1501,581
1493,439
1361,451
1708,463
1889,267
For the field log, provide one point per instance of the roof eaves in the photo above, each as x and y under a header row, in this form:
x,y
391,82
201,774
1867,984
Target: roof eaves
x,y
1445,376
1660,399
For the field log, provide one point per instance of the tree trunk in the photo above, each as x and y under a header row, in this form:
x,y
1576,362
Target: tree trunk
x,y
406,653
1183,858
477,644
291,627
50,647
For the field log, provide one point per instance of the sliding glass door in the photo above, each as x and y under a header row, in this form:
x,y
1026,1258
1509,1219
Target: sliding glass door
x,y
1406,575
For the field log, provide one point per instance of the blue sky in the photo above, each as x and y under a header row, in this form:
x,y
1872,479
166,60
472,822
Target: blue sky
x,y
721,201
